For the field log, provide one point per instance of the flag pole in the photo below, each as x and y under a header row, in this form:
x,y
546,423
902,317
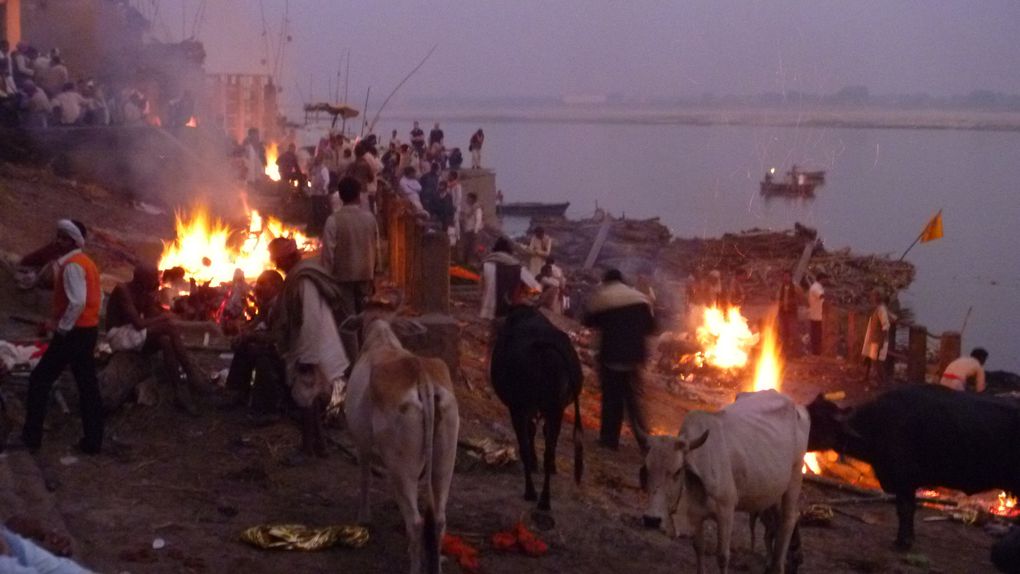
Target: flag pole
x,y
919,236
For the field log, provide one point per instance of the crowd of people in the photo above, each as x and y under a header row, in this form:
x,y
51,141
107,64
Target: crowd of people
x,y
37,90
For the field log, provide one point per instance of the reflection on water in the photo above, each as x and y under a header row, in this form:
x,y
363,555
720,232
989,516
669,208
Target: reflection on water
x,y
881,188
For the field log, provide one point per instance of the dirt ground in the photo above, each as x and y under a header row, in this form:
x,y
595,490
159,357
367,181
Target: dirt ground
x,y
196,483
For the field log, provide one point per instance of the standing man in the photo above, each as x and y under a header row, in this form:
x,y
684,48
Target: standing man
x,y
962,370
349,247
624,317
307,336
77,296
471,223
539,248
876,338
436,136
816,302
418,139
787,297
475,147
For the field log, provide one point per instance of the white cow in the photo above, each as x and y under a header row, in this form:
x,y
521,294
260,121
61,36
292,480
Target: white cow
x,y
401,408
746,457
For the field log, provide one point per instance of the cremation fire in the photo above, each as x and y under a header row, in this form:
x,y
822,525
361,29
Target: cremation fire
x,y
726,338
769,367
272,170
210,251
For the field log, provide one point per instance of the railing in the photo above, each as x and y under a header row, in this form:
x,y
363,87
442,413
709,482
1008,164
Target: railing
x,y
418,254
847,327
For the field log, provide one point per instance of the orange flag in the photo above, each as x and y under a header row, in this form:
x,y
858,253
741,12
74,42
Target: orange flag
x,y
933,230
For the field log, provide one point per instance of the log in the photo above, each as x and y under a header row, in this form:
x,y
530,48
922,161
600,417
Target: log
x,y
122,375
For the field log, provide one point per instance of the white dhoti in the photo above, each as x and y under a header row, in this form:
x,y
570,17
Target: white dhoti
x,y
317,361
126,338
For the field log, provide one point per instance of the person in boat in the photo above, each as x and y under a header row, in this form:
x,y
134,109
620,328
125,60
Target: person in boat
x,y
961,371
135,322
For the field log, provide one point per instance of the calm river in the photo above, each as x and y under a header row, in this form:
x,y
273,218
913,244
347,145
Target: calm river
x,y
882,187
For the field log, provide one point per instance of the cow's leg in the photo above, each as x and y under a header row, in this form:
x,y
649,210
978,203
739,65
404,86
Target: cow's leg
x,y
698,540
520,421
553,423
444,456
724,527
405,489
905,506
785,520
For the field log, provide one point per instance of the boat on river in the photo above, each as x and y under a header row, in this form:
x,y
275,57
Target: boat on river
x,y
532,209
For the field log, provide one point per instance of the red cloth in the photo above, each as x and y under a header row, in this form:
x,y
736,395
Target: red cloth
x,y
465,554
520,538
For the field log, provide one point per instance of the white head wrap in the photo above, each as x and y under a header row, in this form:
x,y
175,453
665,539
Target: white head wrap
x,y
68,228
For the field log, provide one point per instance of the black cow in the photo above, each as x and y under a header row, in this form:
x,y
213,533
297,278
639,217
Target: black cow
x,y
536,373
925,436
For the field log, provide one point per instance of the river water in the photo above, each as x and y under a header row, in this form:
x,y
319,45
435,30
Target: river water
x,y
882,186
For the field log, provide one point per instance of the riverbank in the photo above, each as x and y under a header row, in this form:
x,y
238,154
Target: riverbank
x,y
832,117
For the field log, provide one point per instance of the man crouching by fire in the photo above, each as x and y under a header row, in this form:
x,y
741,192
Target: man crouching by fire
x,y
306,333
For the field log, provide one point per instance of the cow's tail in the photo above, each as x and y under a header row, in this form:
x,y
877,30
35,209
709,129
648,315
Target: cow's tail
x,y
430,531
578,441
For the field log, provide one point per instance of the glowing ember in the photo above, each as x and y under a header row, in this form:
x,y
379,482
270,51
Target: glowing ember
x,y
192,122
1006,505
769,367
811,463
210,251
272,170
726,338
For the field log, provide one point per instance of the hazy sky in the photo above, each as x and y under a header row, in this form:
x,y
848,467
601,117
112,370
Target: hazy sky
x,y
637,48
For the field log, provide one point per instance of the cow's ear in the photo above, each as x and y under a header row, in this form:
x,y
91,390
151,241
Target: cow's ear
x,y
700,441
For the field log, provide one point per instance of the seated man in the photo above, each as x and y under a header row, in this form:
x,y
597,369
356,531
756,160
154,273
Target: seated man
x,y
255,354
964,369
136,322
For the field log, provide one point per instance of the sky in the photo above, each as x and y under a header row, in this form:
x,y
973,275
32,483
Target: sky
x,y
639,48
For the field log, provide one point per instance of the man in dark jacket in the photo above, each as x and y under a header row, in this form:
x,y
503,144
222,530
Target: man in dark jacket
x,y
624,317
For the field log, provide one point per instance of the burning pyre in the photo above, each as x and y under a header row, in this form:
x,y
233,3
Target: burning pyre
x,y
272,153
213,265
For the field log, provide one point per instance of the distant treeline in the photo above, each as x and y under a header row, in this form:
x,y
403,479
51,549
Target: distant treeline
x,y
857,96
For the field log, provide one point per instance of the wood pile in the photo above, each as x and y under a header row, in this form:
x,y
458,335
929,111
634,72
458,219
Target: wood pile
x,y
647,247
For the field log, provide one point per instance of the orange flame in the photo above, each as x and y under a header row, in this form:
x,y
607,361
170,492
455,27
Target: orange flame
x,y
210,251
726,338
192,122
811,464
769,368
272,170
1006,505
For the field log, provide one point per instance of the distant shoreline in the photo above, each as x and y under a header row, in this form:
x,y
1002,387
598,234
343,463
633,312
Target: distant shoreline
x,y
945,119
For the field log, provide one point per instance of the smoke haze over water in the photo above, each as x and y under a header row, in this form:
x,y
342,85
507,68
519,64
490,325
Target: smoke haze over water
x,y
642,49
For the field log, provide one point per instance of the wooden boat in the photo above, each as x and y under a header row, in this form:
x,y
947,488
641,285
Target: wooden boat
x,y
533,209
787,189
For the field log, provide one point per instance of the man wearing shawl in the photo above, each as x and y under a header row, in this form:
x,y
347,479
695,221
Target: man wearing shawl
x,y
306,331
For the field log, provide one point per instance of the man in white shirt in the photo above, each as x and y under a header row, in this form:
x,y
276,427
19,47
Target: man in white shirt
x,y
964,369
411,188
503,281
471,224
71,104
816,302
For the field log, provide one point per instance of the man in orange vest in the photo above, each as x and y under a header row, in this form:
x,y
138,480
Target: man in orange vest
x,y
76,299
